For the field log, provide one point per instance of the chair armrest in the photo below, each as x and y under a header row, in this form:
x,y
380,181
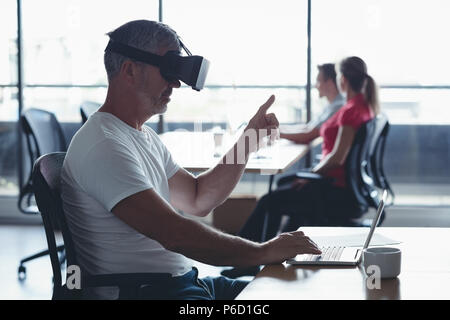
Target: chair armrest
x,y
303,175
123,279
129,284
317,141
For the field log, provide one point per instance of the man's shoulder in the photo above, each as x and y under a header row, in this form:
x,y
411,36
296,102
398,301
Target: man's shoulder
x,y
98,129
93,140
338,102
150,131
154,136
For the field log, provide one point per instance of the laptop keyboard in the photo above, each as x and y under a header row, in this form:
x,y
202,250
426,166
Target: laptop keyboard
x,y
328,254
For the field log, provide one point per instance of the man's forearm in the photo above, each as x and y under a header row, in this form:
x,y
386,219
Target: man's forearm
x,y
215,185
299,137
152,216
303,137
207,245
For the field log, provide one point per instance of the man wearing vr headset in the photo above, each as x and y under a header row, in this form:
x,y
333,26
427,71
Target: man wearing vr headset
x,y
121,187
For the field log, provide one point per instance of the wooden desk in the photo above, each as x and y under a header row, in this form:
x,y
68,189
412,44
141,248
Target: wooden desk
x,y
425,272
194,151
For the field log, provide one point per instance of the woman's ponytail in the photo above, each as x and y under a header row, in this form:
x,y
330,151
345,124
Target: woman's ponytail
x,y
371,94
354,69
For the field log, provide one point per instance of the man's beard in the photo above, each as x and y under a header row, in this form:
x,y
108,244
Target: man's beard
x,y
157,106
154,105
160,108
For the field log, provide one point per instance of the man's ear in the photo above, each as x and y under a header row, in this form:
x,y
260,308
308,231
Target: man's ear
x,y
128,71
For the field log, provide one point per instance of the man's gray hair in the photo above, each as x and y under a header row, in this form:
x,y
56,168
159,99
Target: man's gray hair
x,y
142,34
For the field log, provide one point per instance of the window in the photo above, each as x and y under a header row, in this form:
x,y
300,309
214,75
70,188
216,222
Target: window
x,y
63,50
63,43
404,46
8,98
8,60
256,48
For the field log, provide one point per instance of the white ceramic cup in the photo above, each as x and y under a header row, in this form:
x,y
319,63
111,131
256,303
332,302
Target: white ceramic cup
x,y
387,259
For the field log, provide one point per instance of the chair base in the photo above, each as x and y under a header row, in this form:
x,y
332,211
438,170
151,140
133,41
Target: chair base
x,y
22,271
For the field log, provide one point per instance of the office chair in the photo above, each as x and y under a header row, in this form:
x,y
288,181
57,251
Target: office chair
x,y
359,176
43,134
87,108
377,155
46,185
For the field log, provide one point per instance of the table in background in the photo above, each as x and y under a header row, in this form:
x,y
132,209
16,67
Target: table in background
x,y
194,151
425,271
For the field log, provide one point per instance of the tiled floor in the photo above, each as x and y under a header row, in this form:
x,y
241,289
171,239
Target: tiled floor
x,y
17,243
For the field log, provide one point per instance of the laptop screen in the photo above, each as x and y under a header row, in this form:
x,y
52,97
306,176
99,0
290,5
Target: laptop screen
x,y
376,219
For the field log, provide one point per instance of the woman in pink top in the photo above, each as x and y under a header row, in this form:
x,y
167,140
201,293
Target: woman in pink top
x,y
301,200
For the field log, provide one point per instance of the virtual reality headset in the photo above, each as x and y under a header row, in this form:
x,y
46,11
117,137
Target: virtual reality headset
x,y
192,70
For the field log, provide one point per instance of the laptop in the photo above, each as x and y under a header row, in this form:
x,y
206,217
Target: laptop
x,y
338,255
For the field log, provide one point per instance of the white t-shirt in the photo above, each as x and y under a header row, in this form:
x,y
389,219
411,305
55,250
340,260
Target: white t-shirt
x,y
106,162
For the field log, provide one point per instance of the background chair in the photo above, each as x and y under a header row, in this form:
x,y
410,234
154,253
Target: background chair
x,y
43,134
87,108
377,156
372,172
46,184
364,171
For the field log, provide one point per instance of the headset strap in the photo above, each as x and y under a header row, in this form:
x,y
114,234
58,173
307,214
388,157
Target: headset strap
x,y
134,53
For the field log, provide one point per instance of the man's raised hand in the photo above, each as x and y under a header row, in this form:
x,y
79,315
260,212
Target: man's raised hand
x,y
263,124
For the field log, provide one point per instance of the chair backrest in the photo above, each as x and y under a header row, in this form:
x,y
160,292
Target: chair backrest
x,y
377,157
44,129
87,108
362,164
43,134
46,186
358,178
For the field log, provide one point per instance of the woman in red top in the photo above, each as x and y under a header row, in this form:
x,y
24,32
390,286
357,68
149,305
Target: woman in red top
x,y
304,200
